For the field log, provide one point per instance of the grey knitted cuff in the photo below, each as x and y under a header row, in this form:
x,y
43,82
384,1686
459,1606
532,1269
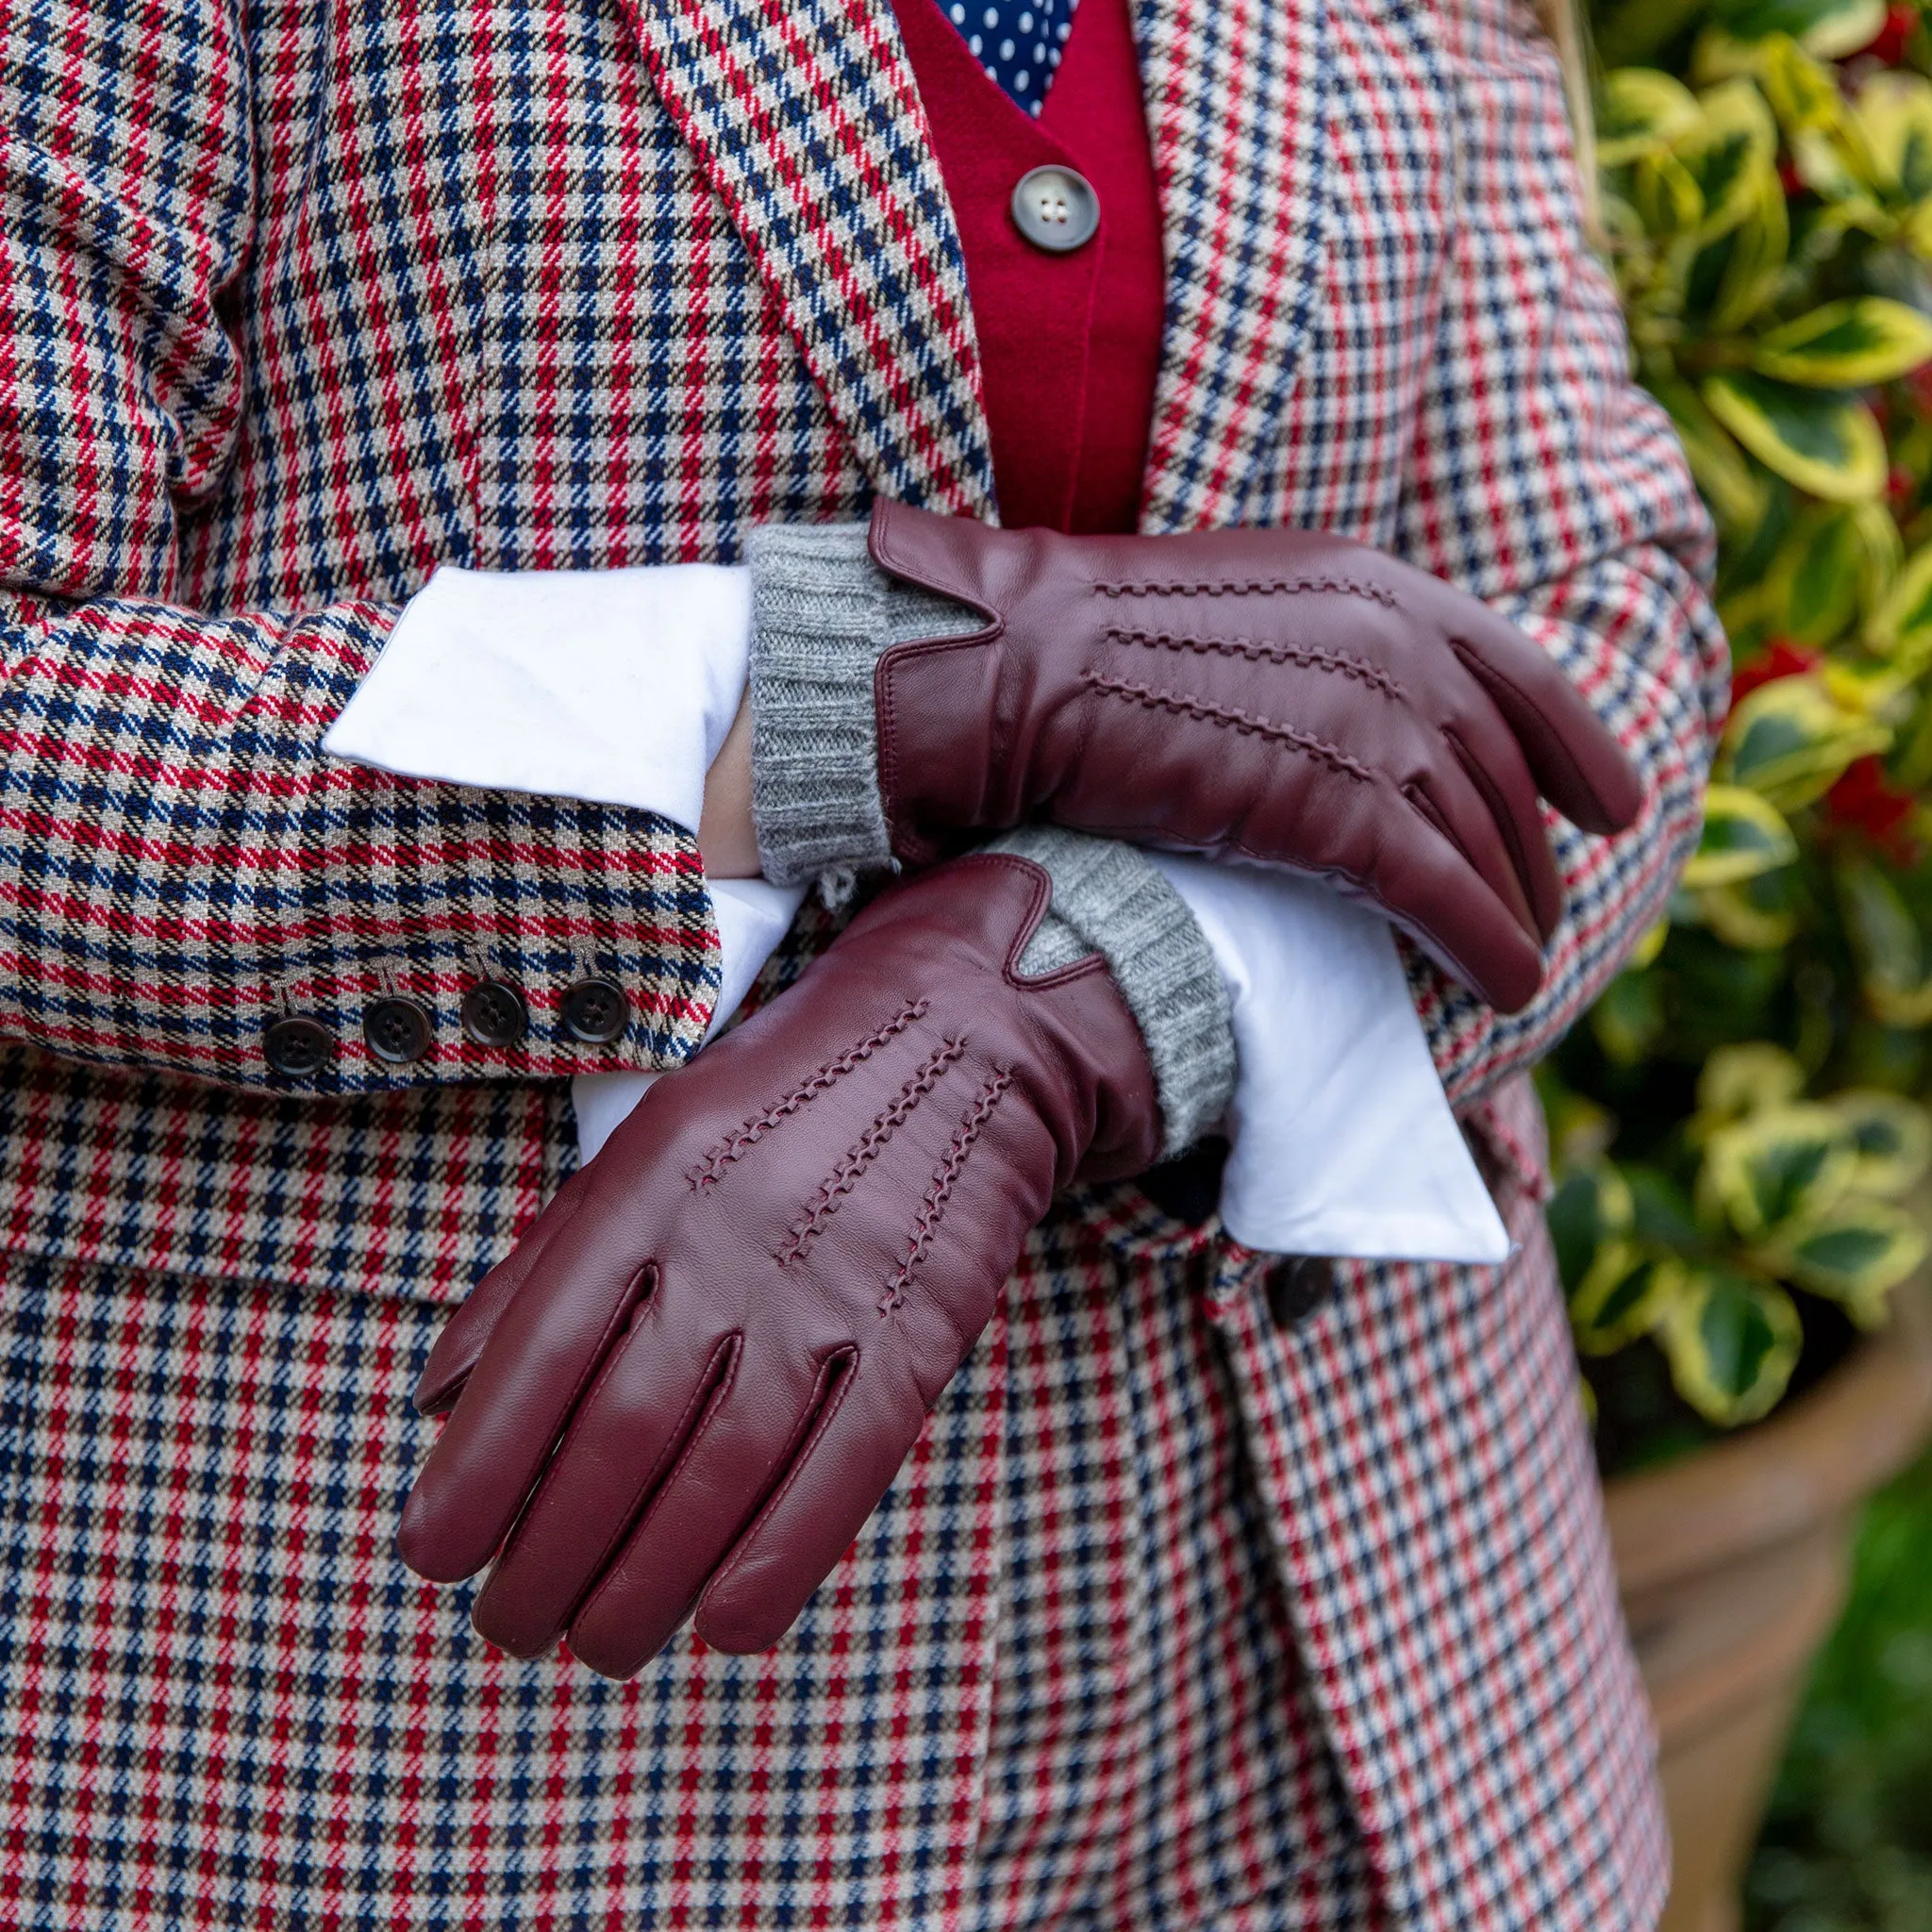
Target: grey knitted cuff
x,y
1109,899
822,614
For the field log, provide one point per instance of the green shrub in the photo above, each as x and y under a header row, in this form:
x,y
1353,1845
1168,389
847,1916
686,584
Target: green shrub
x,y
1740,1124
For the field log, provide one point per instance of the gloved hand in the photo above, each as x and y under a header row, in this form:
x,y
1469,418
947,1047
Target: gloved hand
x,y
706,1362
1284,695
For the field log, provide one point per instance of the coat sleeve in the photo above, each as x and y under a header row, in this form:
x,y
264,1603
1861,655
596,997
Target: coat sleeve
x,y
1544,480
181,866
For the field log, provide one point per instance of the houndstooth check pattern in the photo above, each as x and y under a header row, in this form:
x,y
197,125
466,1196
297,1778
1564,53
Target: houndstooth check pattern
x,y
197,1569
1175,1619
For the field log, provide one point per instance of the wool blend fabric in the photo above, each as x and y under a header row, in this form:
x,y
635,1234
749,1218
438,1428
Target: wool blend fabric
x,y
1175,1618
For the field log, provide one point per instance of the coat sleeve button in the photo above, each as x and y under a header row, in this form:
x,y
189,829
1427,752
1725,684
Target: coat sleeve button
x,y
1297,1286
398,1031
297,1046
495,1013
594,1011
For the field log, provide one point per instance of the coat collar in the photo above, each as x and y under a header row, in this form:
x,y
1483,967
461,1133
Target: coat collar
x,y
1238,96
806,121
806,118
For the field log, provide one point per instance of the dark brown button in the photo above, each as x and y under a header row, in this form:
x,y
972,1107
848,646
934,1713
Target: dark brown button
x,y
1297,1286
494,1013
1056,209
594,1011
297,1046
398,1030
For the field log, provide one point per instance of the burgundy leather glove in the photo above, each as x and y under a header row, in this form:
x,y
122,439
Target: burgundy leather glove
x,y
1282,694
706,1362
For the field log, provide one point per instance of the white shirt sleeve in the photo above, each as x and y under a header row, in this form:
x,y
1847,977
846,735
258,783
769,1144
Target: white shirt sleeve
x,y
614,686
619,686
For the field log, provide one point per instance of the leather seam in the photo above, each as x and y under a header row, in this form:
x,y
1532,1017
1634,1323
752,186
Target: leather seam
x,y
1258,651
1257,587
709,1396
831,1192
1231,718
1499,811
799,1454
1425,807
938,1192
827,1073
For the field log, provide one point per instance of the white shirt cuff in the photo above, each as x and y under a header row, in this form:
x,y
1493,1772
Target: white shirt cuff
x,y
613,686
1340,1137
618,687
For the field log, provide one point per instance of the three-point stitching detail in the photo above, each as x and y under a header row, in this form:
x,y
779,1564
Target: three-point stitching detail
x,y
1259,587
1262,651
712,1166
932,1209
864,1151
1231,718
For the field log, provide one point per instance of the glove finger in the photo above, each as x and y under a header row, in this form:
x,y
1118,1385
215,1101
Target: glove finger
x,y
866,1431
467,1332
662,1388
726,1469
574,1304
1487,753
1432,891
1447,799
1578,765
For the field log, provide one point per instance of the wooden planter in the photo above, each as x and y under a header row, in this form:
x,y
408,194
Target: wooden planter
x,y
1733,1565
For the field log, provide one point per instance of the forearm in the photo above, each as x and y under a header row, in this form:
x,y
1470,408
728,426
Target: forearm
x,y
727,838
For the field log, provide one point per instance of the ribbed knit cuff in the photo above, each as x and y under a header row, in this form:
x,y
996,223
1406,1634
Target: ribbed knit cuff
x,y
822,614
1109,899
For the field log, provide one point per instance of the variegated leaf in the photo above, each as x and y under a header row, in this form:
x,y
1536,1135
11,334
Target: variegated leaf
x,y
1886,943
1813,590
1850,344
1746,1079
1856,1250
1791,741
1730,483
1742,837
1779,1164
1732,1341
1827,444
1727,151
1901,627
1827,28
1590,1209
1894,109
1639,111
1892,1136
1624,1295
1666,193
1754,915
1743,266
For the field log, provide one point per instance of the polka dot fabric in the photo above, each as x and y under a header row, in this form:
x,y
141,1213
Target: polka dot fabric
x,y
1018,42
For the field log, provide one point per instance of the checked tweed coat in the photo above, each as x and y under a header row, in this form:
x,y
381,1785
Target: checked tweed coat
x,y
1178,1617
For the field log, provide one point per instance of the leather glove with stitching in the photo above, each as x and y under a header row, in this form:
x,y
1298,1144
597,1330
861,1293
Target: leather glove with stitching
x,y
1283,695
705,1362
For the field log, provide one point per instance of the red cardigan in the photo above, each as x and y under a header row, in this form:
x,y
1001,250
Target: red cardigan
x,y
1069,344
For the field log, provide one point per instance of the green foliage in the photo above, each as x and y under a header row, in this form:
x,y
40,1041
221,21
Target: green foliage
x,y
1742,1126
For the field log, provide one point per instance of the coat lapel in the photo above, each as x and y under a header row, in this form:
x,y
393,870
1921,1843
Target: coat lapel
x,y
1238,99
806,121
